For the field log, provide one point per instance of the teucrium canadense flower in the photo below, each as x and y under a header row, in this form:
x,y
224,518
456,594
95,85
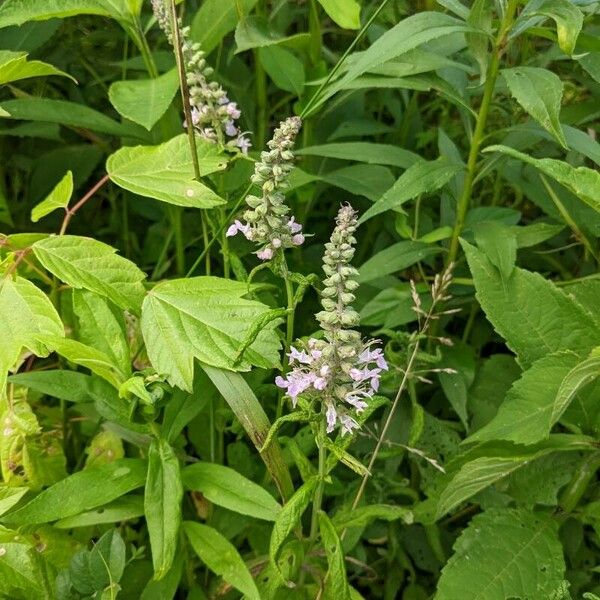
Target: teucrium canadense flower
x,y
213,115
341,370
268,220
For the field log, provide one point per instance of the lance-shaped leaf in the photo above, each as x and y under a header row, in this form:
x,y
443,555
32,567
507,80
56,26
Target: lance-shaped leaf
x,y
14,66
346,13
539,92
582,181
85,263
205,318
166,172
27,317
58,198
336,585
504,553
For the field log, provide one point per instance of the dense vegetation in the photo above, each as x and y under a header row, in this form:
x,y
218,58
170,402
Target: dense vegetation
x,y
299,299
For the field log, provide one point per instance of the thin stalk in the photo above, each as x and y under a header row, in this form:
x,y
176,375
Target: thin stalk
x,y
482,117
141,42
260,78
579,483
318,497
70,212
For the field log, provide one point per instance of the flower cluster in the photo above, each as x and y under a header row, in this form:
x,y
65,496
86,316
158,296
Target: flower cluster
x,y
213,115
341,370
267,220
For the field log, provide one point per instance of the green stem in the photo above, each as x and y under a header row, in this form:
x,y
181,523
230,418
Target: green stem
x,y
579,483
482,117
260,78
314,28
139,39
176,214
318,497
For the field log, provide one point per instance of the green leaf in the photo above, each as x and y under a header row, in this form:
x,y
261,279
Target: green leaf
x,y
204,318
216,18
422,177
370,181
9,496
539,92
65,113
162,505
250,413
82,491
336,584
221,557
534,316
366,152
504,553
407,35
59,383
395,258
165,172
27,318
14,66
85,263
288,519
144,101
364,515
346,13
123,509
107,559
499,243
256,32
282,66
582,181
480,17
58,198
226,487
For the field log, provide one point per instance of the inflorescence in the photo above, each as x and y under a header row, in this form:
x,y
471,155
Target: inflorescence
x,y
267,220
341,370
213,115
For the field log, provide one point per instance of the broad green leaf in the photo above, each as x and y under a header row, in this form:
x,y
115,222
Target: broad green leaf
x,y
65,113
123,509
370,181
346,13
367,152
221,557
216,18
480,17
183,407
14,66
144,101
27,317
591,63
336,585
85,263
282,66
250,413
504,553
395,258
582,181
21,572
59,383
256,32
102,326
29,36
536,233
407,35
533,315
165,588
9,496
539,92
499,244
204,318
162,505
104,447
364,515
528,412
422,177
166,172
226,487
58,198
82,491
288,519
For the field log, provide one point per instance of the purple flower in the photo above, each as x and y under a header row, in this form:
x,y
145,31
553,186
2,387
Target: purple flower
x,y
294,227
331,416
230,129
298,239
232,110
301,357
238,226
244,144
265,253
348,424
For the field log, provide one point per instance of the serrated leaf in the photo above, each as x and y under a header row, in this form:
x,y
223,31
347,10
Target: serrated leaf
x,y
336,585
534,316
204,318
423,177
539,92
504,553
82,491
162,505
221,557
499,243
165,172
59,197
346,13
27,317
582,181
144,101
85,263
226,487
14,66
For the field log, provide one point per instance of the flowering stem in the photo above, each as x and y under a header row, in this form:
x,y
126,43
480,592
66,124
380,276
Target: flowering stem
x,y
318,497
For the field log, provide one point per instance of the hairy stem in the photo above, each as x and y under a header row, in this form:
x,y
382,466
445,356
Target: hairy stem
x,y
318,497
